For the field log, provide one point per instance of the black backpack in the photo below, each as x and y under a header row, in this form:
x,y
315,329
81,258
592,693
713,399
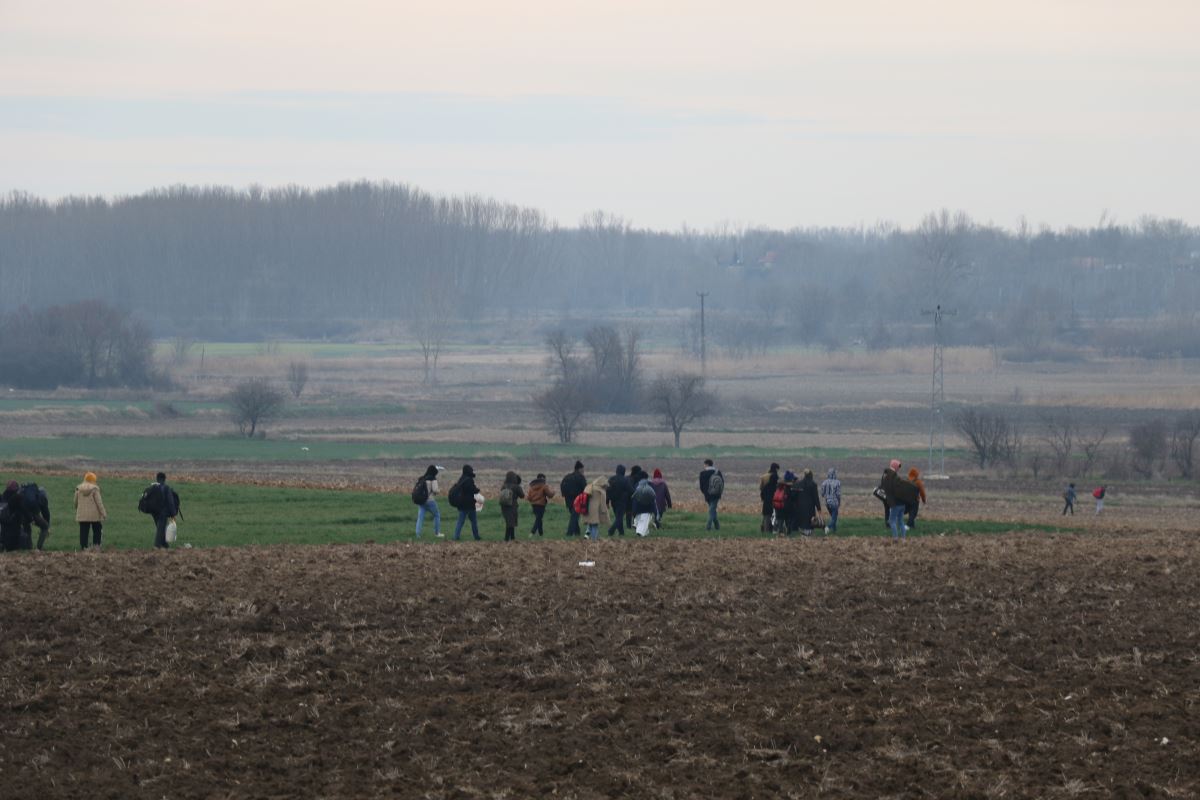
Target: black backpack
x,y
420,492
152,499
454,496
716,484
8,515
31,496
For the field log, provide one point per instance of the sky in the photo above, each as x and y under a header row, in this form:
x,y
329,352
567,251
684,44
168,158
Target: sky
x,y
666,113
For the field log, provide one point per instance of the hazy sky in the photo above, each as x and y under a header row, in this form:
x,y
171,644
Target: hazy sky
x,y
772,113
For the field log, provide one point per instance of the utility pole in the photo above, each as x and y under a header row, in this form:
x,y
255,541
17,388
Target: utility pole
x,y
703,360
937,400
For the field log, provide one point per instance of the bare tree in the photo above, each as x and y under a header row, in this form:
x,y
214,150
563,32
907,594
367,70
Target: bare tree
x,y
993,438
181,348
253,402
1090,444
562,361
679,400
1148,443
1183,443
941,241
562,407
1060,432
297,377
429,323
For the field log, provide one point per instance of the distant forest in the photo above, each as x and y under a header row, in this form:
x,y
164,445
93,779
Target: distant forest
x,y
222,263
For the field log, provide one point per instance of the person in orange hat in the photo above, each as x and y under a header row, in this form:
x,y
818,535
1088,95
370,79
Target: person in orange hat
x,y
914,477
89,511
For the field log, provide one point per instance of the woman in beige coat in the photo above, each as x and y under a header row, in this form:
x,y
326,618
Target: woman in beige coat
x,y
89,511
597,509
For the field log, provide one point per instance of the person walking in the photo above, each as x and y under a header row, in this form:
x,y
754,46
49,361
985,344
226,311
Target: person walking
x,y
643,503
831,496
619,491
573,484
12,517
791,503
914,477
898,494
712,486
511,493
782,505
37,515
767,485
539,494
808,504
89,511
662,497
636,474
462,497
1069,500
596,513
1099,493
424,494
162,503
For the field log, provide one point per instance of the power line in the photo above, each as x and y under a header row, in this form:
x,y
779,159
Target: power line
x,y
703,359
937,400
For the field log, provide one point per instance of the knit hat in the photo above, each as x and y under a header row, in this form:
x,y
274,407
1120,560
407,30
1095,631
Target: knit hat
x,y
13,486
789,476
657,472
895,465
578,465
90,477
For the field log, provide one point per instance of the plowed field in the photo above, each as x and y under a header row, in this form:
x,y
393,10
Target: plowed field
x,y
1006,666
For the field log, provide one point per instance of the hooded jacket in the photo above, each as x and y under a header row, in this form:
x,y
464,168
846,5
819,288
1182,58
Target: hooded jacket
x,y
831,490
767,485
597,511
662,493
619,488
573,483
539,492
808,505
914,477
645,506
512,482
89,507
897,490
465,490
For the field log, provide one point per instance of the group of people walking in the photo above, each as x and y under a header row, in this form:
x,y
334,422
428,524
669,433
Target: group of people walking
x,y
25,507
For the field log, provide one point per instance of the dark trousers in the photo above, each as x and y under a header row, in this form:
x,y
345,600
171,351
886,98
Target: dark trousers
x,y
1069,508
510,533
538,513
618,523
912,514
573,522
10,537
83,534
160,531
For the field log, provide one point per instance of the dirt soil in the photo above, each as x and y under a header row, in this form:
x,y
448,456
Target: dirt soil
x,y
975,667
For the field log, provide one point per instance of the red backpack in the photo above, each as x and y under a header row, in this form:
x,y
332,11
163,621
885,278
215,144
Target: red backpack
x,y
580,504
779,499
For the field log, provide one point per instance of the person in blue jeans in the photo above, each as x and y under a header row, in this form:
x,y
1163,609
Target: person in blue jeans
x,y
831,496
712,486
890,484
430,505
462,497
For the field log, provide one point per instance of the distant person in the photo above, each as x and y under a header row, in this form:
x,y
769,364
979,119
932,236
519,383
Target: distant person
x,y
1099,493
831,496
1069,500
539,494
161,502
783,505
767,484
619,492
636,474
808,506
712,486
462,497
643,503
12,517
573,484
595,507
37,514
914,477
89,511
899,494
662,497
424,495
511,493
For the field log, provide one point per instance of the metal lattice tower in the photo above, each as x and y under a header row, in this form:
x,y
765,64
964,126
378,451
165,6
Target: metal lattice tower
x,y
937,400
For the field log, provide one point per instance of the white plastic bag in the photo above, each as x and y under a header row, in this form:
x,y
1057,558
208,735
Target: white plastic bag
x,y
172,532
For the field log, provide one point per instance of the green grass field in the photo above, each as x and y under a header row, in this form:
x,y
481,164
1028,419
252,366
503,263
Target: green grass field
x,y
220,515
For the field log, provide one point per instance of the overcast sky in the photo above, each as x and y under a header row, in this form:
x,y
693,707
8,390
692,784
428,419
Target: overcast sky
x,y
763,113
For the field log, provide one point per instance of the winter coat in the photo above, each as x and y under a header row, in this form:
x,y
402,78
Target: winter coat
x,y
466,490
767,485
662,494
645,506
831,490
706,476
897,490
808,505
89,507
572,484
16,510
914,477
512,481
619,489
539,493
597,511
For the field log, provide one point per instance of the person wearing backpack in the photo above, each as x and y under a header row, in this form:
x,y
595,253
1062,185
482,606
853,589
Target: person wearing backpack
x,y
595,512
1069,500
510,494
89,511
161,502
831,496
767,484
539,494
12,517
636,474
662,497
643,503
619,490
783,503
712,486
1099,493
37,514
573,484
423,495
462,497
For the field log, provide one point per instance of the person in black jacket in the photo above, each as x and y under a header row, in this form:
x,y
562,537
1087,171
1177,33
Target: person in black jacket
x,y
462,497
636,474
808,503
12,517
767,485
619,491
571,487
37,515
164,508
